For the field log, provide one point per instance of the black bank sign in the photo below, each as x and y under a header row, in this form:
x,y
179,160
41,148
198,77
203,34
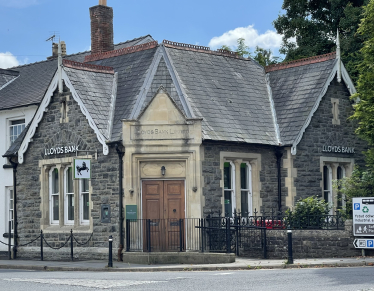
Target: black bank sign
x,y
338,149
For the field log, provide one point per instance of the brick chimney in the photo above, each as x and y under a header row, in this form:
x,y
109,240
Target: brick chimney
x,y
101,28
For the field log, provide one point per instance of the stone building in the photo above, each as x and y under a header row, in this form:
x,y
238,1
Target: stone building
x,y
177,131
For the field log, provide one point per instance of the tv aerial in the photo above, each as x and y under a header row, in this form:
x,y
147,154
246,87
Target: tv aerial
x,y
54,35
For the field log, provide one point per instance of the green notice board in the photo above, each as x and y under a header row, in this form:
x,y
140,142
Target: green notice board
x,y
131,212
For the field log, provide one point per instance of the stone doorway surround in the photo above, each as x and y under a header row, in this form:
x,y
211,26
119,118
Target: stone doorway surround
x,y
162,136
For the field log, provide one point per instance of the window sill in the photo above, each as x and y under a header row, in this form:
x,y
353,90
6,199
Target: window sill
x,y
67,229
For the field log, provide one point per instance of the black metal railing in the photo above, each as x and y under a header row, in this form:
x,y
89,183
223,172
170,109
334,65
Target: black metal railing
x,y
279,220
211,234
53,245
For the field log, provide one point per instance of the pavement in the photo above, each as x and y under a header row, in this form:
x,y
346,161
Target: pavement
x,y
239,264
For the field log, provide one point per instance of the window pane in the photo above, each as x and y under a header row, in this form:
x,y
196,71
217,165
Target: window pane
x,y
54,181
227,176
339,173
244,176
55,207
244,203
228,203
325,178
86,205
70,207
20,121
69,180
85,185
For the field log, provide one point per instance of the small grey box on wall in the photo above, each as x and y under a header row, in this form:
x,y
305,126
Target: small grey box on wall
x,y
105,213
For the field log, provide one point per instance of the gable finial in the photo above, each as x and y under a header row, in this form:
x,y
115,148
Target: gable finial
x,y
339,73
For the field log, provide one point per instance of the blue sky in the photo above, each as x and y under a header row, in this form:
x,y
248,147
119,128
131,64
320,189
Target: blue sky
x,y
26,24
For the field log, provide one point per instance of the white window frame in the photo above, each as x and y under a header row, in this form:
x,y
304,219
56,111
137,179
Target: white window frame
x,y
232,190
9,210
52,221
10,126
66,198
249,190
329,185
81,205
343,176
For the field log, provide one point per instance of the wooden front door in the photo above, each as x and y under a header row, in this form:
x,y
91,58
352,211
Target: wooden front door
x,y
163,204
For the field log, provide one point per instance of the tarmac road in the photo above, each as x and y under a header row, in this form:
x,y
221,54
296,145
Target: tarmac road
x,y
320,279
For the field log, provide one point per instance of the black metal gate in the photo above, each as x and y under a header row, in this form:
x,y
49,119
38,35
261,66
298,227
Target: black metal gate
x,y
234,235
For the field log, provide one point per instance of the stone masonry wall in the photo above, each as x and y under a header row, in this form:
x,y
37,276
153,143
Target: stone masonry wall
x,y
104,179
213,192
313,243
320,132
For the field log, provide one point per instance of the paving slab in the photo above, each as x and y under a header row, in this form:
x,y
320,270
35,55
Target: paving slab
x,y
239,264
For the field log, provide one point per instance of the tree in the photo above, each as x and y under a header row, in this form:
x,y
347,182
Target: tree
x,y
313,25
359,184
264,57
241,49
364,109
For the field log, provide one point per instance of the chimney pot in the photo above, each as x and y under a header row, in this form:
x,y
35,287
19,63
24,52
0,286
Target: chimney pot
x,y
102,2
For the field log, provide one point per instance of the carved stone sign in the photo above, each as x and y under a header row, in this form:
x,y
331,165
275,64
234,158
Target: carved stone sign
x,y
61,150
338,149
162,131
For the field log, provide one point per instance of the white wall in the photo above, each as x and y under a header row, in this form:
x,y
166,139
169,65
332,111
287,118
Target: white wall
x,y
6,175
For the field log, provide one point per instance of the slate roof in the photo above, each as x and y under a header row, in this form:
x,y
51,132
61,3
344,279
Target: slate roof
x,y
295,91
131,69
230,94
6,76
34,79
95,90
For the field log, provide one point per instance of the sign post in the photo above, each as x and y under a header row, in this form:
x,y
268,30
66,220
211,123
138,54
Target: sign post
x,y
363,216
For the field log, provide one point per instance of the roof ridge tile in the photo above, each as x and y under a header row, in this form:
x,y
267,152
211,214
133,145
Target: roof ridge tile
x,y
120,52
202,49
301,62
88,67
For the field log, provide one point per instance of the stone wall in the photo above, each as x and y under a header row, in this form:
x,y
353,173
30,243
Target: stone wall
x,y
212,173
320,132
309,244
104,179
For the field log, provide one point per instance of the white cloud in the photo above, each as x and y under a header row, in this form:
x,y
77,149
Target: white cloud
x,y
268,40
7,60
18,3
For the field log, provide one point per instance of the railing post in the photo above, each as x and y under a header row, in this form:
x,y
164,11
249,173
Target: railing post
x,y
71,246
110,261
127,235
10,240
228,246
180,235
148,230
41,245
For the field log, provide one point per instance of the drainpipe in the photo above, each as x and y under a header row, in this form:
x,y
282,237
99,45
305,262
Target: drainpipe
x,y
279,154
120,156
15,222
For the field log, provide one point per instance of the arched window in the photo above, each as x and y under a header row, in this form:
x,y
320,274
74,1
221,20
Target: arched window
x,y
54,196
246,189
69,196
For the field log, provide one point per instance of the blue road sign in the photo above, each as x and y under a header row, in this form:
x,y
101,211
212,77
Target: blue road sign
x,y
357,206
370,243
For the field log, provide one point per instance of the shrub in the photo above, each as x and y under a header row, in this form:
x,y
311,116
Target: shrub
x,y
308,213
